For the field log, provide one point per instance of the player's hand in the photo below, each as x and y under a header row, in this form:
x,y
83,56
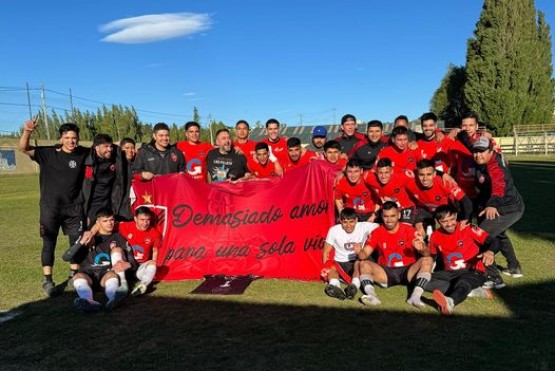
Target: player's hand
x,y
147,175
490,212
413,145
121,266
453,133
487,257
87,237
464,224
418,244
324,273
448,179
357,247
31,125
238,150
439,136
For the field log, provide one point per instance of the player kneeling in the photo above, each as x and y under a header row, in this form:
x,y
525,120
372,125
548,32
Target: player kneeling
x,y
144,239
97,266
465,252
403,258
346,241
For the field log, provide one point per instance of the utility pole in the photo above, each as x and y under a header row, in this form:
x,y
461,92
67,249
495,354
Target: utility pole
x,y
210,128
71,105
44,115
301,115
29,102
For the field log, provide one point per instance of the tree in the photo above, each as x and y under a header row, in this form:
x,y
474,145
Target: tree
x,y
509,65
448,100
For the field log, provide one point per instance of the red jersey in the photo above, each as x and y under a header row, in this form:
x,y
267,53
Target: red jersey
x,y
195,157
262,171
247,148
438,194
438,152
463,169
142,242
289,165
356,196
402,160
459,249
394,249
278,149
394,190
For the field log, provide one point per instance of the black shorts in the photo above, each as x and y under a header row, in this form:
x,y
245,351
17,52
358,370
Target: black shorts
x,y
396,275
69,218
424,216
348,267
95,275
408,215
475,278
364,217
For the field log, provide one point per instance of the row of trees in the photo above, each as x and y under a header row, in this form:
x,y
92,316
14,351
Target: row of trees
x,y
116,121
507,79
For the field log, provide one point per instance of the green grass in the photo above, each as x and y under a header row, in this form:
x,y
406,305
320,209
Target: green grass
x,y
283,325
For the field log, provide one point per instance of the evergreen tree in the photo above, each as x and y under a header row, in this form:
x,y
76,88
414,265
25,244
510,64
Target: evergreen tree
x,y
508,66
448,100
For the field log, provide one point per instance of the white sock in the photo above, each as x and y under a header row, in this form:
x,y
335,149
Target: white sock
x,y
356,282
417,292
116,257
335,282
83,289
111,287
148,274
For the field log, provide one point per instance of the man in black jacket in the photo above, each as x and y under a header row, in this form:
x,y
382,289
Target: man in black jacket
x,y
159,156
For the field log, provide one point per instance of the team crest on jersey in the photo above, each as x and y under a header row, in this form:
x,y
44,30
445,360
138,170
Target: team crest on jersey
x,y
481,179
72,164
147,240
174,157
113,244
349,246
401,243
438,198
113,167
130,236
364,194
460,243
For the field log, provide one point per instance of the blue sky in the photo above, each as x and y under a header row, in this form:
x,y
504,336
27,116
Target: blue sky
x,y
233,59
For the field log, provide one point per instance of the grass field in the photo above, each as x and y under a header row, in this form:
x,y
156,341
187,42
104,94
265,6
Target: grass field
x,y
283,325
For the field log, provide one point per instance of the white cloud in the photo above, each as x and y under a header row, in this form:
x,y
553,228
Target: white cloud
x,y
155,27
189,94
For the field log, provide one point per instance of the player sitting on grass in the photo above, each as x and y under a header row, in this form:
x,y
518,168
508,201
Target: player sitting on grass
x,y
346,241
96,268
403,258
465,253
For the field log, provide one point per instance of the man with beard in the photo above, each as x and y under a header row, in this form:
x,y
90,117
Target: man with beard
x,y
223,163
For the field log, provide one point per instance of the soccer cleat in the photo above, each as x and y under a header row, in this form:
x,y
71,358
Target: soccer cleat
x,y
370,300
351,291
87,306
445,303
494,282
139,289
334,292
480,292
49,288
111,304
515,272
416,302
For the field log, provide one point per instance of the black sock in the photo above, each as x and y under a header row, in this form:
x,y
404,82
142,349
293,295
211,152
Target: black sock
x,y
47,278
73,272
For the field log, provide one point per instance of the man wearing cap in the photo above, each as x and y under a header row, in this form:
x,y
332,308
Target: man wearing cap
x,y
319,134
367,153
499,203
349,138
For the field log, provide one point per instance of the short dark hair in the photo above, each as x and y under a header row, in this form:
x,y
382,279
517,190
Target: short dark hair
x,y
353,163
384,162
160,126
261,145
143,210
102,139
242,122
348,213
428,116
348,117
272,121
445,210
424,163
399,130
388,205
191,123
68,126
222,131
293,142
104,212
374,124
401,117
332,144
126,140
469,115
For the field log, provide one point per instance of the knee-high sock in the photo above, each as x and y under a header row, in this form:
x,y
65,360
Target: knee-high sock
x,y
147,274
367,284
116,257
83,289
111,287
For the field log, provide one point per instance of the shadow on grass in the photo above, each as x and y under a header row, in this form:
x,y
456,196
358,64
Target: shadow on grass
x,y
195,333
